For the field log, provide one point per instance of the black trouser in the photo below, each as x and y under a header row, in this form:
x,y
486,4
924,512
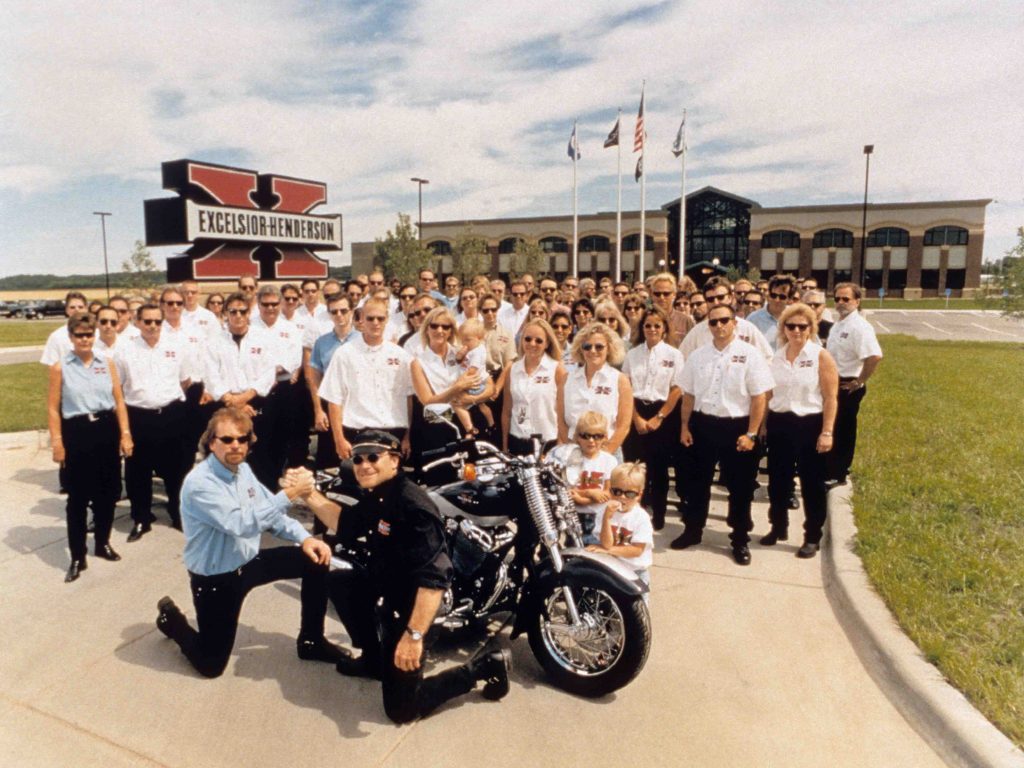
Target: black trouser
x,y
298,419
844,442
326,453
657,450
407,695
714,441
218,603
158,435
197,417
793,447
262,456
282,411
92,475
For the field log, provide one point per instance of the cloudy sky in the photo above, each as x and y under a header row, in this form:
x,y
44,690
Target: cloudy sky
x,y
480,99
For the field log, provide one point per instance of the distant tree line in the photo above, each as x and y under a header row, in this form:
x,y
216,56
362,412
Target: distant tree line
x,y
118,280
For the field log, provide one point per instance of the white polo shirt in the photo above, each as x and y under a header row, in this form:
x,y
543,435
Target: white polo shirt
x,y
722,382
236,367
151,377
316,328
534,400
851,341
371,384
797,385
193,343
441,370
746,331
204,320
652,370
286,343
512,318
601,395
58,346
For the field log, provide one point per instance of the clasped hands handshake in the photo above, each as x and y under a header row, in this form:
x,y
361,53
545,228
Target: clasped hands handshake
x,y
298,483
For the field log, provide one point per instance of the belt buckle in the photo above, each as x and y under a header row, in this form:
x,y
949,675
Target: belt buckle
x,y
92,416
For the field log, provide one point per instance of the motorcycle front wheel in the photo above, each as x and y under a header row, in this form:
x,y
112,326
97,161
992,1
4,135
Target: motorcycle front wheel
x,y
602,654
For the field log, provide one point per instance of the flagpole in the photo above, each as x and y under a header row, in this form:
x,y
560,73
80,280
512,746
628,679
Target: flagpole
x,y
618,205
682,207
575,202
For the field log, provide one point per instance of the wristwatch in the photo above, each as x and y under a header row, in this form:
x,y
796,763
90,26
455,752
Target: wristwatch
x,y
417,636
752,436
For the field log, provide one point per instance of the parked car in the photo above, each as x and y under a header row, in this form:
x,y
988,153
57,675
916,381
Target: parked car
x,y
8,308
41,308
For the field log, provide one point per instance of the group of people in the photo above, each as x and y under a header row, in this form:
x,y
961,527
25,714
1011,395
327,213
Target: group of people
x,y
638,380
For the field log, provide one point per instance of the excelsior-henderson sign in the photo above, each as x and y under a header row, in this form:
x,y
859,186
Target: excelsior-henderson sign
x,y
240,222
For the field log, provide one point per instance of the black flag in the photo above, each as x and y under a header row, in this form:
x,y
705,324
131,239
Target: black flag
x,y
639,168
613,137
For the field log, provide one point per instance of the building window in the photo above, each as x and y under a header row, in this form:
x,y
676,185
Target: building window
x,y
780,238
440,247
821,277
955,278
595,243
829,238
946,235
632,243
897,279
554,244
872,279
717,227
891,236
841,276
508,245
930,279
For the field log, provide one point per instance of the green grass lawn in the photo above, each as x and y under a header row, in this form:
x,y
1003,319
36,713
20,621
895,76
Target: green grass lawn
x,y
939,488
23,404
26,333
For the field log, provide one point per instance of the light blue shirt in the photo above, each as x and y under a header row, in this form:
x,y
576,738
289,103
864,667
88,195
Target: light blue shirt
x,y
223,514
325,347
85,388
763,320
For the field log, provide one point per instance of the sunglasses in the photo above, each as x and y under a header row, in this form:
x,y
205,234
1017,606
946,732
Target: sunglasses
x,y
583,312
663,293
623,492
213,302
632,308
359,458
375,319
231,439
607,320
621,293
598,347
797,326
592,436
108,321
549,289
247,288
752,303
238,311
815,304
407,296
422,312
518,293
719,321
340,311
717,299
270,304
151,321
844,299
778,296
290,299
127,311
561,326
538,313
653,327
84,335
534,340
173,303
439,326
489,310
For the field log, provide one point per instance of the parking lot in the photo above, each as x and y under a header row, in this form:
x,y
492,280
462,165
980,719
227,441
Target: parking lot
x,y
947,324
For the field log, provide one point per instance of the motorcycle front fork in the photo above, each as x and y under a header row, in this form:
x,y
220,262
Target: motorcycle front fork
x,y
570,600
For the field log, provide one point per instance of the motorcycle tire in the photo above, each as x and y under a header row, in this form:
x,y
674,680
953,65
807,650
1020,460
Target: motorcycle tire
x,y
609,658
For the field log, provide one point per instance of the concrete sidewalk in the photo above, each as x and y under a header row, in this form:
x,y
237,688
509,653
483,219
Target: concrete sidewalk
x,y
749,667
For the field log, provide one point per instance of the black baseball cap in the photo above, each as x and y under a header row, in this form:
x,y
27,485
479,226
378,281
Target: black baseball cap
x,y
376,441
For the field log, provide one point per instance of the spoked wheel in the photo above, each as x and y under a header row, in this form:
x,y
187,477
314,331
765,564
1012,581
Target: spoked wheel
x,y
600,655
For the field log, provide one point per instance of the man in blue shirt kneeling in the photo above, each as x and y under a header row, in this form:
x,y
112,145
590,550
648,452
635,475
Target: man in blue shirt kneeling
x,y
224,510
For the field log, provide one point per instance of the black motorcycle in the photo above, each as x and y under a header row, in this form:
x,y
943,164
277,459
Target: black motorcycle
x,y
517,548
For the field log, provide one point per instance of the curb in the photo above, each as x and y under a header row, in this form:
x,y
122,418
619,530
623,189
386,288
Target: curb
x,y
943,716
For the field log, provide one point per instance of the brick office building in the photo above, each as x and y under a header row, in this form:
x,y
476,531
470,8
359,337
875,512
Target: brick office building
x,y
911,249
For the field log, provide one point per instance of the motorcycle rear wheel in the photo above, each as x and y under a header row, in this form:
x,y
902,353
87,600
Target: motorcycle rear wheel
x,y
608,656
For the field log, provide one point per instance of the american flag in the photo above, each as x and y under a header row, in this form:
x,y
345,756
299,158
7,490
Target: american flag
x,y
640,135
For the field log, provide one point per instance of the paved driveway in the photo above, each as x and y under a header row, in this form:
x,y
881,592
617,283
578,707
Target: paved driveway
x,y
953,324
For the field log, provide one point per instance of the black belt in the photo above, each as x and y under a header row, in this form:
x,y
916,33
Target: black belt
x,y
102,415
845,379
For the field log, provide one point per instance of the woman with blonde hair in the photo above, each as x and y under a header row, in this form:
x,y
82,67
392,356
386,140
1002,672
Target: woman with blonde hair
x,y
606,312
596,385
532,402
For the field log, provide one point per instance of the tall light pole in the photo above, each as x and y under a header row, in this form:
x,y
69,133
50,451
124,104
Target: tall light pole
x,y
420,182
103,226
868,149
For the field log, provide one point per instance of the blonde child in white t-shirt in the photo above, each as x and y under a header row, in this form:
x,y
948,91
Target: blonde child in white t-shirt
x,y
626,530
590,473
472,356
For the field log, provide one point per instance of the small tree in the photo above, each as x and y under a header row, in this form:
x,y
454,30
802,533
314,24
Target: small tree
x,y
528,258
138,268
1013,279
470,256
400,253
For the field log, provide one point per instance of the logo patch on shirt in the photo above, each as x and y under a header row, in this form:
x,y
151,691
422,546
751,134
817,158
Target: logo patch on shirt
x,y
844,335
383,527
739,358
668,363
806,364
252,493
602,390
542,379
393,361
255,350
